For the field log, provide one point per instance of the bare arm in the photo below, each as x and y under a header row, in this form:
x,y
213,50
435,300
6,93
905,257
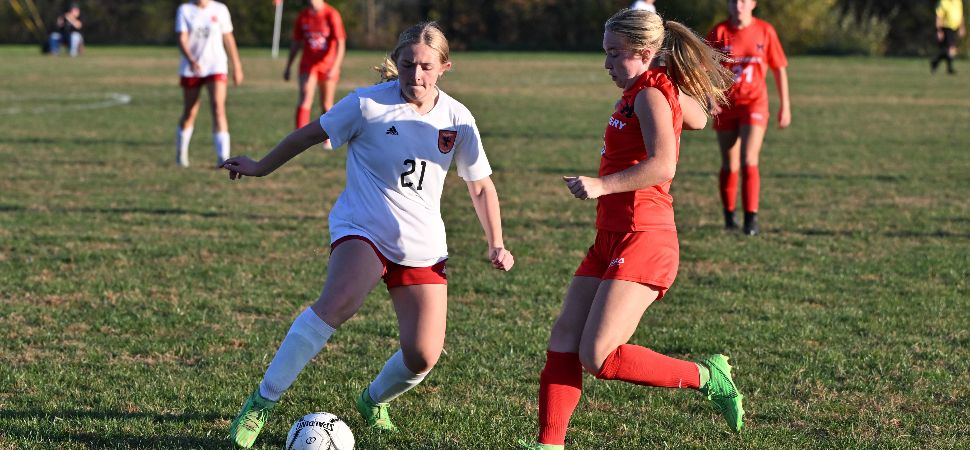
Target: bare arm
x,y
341,50
294,50
76,23
784,109
184,48
293,144
485,199
229,40
695,115
658,134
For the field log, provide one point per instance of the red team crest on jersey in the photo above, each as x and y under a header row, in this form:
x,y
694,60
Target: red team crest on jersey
x,y
446,140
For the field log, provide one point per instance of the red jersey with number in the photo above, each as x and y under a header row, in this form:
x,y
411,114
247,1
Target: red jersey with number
x,y
651,208
319,32
754,49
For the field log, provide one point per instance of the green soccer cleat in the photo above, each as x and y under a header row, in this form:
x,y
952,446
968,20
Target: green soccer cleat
x,y
250,420
723,393
524,445
375,414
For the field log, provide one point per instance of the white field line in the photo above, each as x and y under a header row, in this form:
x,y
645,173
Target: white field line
x,y
87,101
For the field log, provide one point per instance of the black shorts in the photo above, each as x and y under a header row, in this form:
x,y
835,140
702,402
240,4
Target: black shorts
x,y
950,37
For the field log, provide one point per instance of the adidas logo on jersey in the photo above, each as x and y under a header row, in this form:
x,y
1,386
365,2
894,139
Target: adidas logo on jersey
x,y
616,262
392,131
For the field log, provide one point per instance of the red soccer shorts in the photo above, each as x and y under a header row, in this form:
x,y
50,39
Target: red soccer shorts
x,y
647,257
322,71
397,275
194,82
731,118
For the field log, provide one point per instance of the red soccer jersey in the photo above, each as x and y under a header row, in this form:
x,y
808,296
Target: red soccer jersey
x,y
651,208
319,32
754,49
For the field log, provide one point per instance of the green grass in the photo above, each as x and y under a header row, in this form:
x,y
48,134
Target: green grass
x,y
140,303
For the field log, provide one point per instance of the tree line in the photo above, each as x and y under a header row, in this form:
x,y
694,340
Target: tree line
x,y
872,27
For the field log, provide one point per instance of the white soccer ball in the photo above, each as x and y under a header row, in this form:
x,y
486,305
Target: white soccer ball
x,y
320,431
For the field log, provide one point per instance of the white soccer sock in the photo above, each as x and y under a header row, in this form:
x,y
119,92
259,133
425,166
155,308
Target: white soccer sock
x,y
395,379
182,138
305,339
221,142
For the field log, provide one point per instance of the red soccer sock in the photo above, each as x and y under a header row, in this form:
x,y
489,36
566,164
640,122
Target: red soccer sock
x,y
640,365
302,117
751,188
728,186
560,386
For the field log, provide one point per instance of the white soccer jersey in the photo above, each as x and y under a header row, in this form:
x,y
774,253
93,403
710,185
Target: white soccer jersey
x,y
397,160
205,27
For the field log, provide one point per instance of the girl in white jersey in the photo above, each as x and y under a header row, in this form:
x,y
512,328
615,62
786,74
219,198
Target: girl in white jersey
x,y
402,136
205,33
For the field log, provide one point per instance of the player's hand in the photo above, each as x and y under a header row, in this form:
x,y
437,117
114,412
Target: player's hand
x,y
239,166
237,76
196,68
939,35
585,188
784,118
286,74
501,258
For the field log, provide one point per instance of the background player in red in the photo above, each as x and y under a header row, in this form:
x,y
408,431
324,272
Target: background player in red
x,y
319,31
753,46
635,256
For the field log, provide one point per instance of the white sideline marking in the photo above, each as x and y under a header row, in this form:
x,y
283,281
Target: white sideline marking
x,y
95,101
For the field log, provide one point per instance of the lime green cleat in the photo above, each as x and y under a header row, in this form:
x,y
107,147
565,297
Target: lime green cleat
x,y
374,413
723,393
535,446
250,420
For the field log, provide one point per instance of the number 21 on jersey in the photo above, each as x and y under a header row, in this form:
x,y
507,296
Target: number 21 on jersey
x,y
410,167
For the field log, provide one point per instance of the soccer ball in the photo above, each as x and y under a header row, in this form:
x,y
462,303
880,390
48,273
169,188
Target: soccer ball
x,y
320,431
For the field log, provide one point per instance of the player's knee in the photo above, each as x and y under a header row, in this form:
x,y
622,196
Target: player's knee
x,y
592,356
421,360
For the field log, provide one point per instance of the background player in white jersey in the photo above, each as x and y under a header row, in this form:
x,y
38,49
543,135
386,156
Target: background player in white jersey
x,y
205,34
647,5
401,136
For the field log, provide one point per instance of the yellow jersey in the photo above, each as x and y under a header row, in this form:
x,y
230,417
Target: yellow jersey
x,y
950,13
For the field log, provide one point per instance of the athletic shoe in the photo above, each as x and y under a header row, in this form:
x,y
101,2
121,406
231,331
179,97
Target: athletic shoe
x,y
375,414
730,222
534,446
182,159
720,390
250,420
751,227
934,63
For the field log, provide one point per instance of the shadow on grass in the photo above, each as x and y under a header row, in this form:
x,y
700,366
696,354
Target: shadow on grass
x,y
162,212
884,178
109,439
76,141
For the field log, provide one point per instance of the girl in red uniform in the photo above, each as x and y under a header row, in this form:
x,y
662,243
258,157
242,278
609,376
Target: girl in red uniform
x,y
319,31
634,258
753,47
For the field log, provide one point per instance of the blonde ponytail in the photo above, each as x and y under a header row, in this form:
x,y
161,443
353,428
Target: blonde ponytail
x,y
692,65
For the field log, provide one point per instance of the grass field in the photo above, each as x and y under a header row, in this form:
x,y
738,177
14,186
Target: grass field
x,y
140,303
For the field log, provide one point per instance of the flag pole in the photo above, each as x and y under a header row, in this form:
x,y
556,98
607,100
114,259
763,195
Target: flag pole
x,y
276,28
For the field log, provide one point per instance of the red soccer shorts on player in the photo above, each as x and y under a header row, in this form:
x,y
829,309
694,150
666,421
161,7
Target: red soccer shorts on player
x,y
397,275
322,71
647,257
731,118
194,82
